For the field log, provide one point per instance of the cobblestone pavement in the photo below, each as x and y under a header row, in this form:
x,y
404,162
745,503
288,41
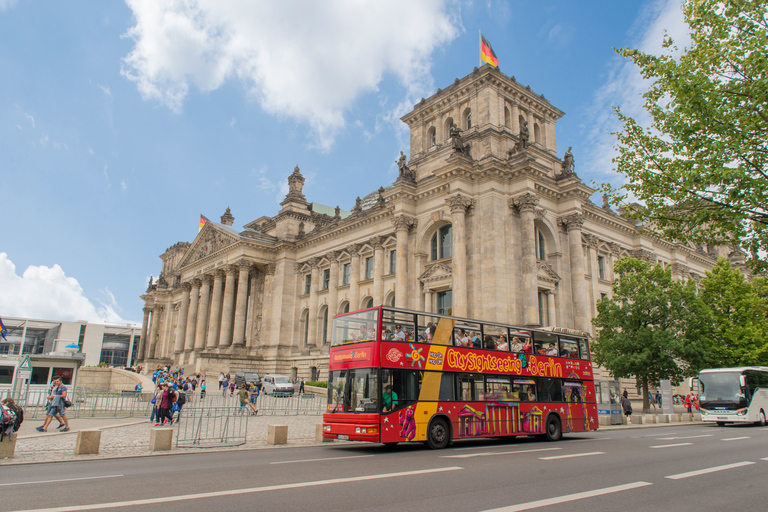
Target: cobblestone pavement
x,y
129,437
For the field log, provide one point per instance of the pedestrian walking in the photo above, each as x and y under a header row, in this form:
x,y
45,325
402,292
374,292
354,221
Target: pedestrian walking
x,y
224,385
221,379
203,388
167,399
626,406
243,396
232,388
301,386
56,407
253,397
156,404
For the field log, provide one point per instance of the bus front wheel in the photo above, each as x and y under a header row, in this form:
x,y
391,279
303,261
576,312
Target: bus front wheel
x,y
720,423
553,430
438,434
761,421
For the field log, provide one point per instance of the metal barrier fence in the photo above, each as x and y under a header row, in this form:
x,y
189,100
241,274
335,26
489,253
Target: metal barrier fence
x,y
270,405
200,427
86,403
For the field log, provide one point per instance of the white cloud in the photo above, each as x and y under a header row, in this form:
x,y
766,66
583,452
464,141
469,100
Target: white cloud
x,y
47,293
106,90
624,86
310,67
232,122
30,119
123,185
5,4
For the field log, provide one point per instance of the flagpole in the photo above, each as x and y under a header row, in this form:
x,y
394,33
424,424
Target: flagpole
x,y
480,47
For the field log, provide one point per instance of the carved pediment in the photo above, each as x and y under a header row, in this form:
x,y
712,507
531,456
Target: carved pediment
x,y
546,272
436,272
209,241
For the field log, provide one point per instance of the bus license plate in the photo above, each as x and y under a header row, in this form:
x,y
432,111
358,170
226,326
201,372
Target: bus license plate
x,y
343,437
722,418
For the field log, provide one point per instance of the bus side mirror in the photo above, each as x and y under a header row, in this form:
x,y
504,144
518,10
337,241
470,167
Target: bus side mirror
x,y
743,381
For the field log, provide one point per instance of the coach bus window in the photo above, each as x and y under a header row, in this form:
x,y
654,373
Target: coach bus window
x,y
584,349
406,386
355,327
568,348
498,387
470,386
549,390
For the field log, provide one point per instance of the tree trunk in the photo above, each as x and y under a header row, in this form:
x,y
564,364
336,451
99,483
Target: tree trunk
x,y
646,404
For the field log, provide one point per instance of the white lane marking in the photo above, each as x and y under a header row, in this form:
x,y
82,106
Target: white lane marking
x,y
670,445
736,438
664,434
685,437
486,454
709,470
570,497
326,458
764,458
62,480
587,454
235,492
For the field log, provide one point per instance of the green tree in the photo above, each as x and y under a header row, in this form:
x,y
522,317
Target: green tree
x,y
739,334
701,168
652,328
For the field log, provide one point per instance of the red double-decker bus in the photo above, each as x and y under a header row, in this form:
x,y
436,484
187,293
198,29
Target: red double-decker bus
x,y
406,376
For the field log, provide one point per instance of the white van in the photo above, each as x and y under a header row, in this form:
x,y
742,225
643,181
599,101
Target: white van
x,y
277,385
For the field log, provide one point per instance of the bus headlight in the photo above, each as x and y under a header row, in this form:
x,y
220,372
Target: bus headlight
x,y
366,430
741,412
326,428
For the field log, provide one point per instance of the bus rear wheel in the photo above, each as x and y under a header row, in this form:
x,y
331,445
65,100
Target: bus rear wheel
x,y
553,430
438,434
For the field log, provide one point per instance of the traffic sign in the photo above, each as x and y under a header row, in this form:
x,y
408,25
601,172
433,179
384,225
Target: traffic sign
x,y
24,374
26,364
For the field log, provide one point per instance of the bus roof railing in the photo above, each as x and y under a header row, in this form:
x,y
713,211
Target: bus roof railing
x,y
556,330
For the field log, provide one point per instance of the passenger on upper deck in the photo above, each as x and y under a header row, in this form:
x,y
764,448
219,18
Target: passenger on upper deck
x,y
474,338
551,350
461,338
564,351
517,345
527,347
399,334
488,343
502,343
364,334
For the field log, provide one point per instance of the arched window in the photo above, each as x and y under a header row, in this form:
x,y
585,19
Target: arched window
x,y
314,375
467,119
448,125
537,133
541,246
325,325
441,243
345,307
431,136
368,303
507,118
393,301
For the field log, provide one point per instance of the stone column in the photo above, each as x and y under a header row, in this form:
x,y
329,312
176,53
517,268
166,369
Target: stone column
x,y
194,300
144,330
526,206
238,336
215,316
202,313
268,314
181,323
427,299
333,293
458,205
313,338
378,269
153,327
354,277
531,130
592,243
551,315
251,313
573,224
225,337
403,225
515,119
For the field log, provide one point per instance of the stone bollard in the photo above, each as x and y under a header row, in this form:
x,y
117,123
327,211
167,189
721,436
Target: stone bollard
x,y
319,434
649,418
604,420
160,439
8,447
88,442
277,434
686,416
674,417
662,418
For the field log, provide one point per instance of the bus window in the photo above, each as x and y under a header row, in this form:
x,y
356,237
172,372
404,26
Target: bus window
x,y
568,348
467,335
446,388
397,326
361,395
337,381
470,386
573,391
498,337
498,387
426,326
584,349
525,389
355,327
406,386
549,390
541,342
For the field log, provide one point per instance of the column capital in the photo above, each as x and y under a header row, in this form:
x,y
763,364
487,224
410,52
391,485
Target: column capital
x,y
572,221
196,282
525,203
353,248
146,309
615,249
403,222
244,265
231,270
377,242
313,262
592,240
643,255
218,273
270,269
459,203
186,286
332,255
207,278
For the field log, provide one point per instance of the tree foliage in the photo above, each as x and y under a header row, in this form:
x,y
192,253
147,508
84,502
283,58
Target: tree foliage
x,y
651,328
739,332
701,168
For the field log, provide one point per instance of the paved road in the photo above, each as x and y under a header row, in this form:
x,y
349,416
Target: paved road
x,y
680,468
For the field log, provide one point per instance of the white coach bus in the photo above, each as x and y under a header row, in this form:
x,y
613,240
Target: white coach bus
x,y
734,395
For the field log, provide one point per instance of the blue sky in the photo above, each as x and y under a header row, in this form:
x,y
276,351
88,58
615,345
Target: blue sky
x,y
121,122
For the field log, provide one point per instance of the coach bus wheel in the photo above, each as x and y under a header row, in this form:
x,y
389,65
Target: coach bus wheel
x,y
391,444
438,434
762,418
554,431
720,423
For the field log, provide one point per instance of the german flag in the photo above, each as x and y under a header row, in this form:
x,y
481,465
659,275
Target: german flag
x,y
486,52
203,220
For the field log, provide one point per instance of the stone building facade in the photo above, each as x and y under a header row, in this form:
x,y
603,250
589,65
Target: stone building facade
x,y
485,221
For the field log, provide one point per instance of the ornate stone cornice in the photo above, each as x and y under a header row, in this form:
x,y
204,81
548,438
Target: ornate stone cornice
x,y
525,203
459,203
403,222
572,221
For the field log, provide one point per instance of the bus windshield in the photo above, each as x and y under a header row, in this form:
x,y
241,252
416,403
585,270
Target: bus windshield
x,y
721,387
360,326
